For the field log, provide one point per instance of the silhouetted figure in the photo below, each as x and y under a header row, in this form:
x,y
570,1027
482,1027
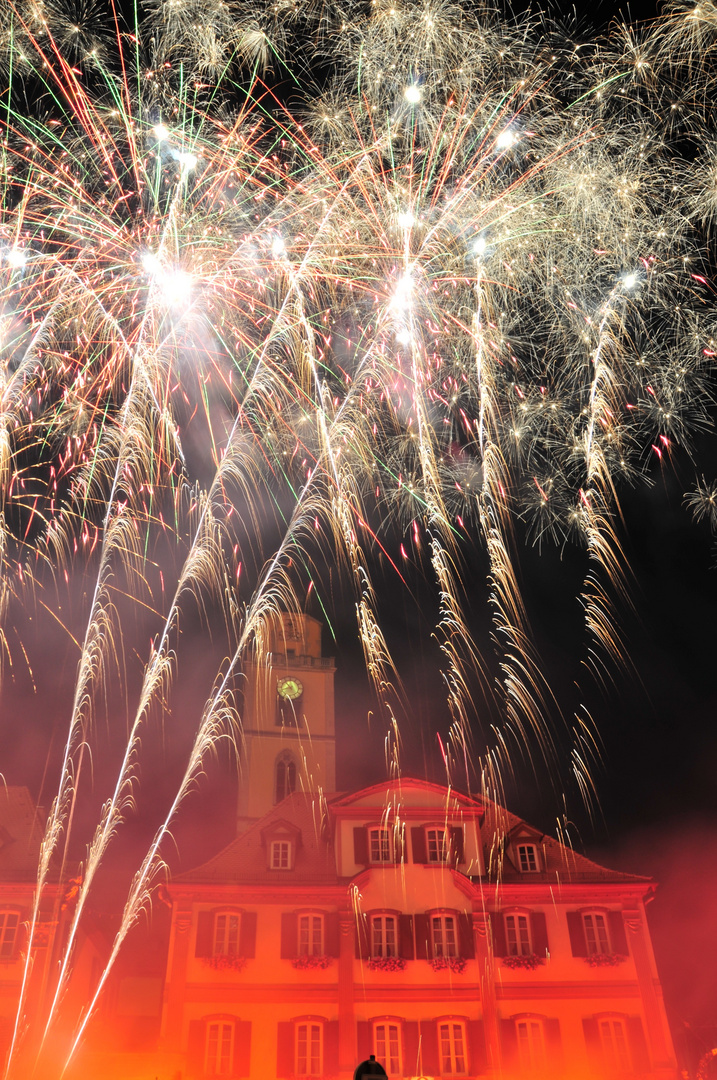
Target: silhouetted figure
x,y
369,1068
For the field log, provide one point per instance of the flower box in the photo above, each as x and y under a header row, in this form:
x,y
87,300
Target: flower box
x,y
224,962
597,960
529,962
448,963
386,963
312,963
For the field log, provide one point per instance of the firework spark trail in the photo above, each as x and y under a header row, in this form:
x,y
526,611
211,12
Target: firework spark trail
x,y
158,249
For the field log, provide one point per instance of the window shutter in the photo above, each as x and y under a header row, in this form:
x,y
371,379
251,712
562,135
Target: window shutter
x,y
539,933
364,1039
430,1062
418,843
399,843
289,936
361,846
247,935
554,1046
204,945
465,936
577,934
285,1048
242,1047
638,1045
509,1045
476,1046
361,937
497,926
592,1042
410,1048
422,927
331,1048
21,934
618,938
331,933
457,856
195,1048
405,936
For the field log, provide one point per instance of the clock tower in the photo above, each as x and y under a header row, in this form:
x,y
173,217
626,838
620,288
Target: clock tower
x,y
288,741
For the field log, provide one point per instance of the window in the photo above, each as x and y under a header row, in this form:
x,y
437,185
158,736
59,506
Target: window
x,y
379,845
528,858
387,1047
596,936
308,1049
311,935
443,935
614,1045
531,1045
383,936
517,931
226,934
280,855
9,921
437,846
452,1040
284,777
219,1054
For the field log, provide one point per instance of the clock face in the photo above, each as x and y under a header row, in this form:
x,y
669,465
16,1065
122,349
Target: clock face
x,y
290,688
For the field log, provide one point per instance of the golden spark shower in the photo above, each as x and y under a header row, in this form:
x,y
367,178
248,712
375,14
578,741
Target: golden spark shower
x,y
389,288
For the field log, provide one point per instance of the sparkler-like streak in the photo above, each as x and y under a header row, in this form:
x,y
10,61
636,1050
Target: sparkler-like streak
x,y
386,309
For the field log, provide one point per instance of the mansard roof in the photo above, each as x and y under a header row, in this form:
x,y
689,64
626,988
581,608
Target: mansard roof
x,y
21,828
245,861
502,832
409,791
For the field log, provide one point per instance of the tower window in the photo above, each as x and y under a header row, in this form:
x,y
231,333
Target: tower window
x,y
284,777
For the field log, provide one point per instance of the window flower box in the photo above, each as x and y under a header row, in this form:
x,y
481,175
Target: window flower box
x,y
312,963
448,963
598,960
386,963
528,963
225,962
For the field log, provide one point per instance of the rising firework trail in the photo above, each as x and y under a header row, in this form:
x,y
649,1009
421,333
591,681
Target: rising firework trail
x,y
419,280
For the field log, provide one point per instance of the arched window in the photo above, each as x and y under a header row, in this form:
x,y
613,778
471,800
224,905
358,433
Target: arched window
x,y
284,776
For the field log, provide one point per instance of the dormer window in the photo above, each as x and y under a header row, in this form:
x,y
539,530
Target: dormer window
x,y
280,855
437,845
379,845
528,862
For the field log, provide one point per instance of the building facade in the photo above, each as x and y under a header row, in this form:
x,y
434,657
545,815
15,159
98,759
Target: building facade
x,y
431,928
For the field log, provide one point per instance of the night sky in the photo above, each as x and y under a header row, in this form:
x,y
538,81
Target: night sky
x,y
656,716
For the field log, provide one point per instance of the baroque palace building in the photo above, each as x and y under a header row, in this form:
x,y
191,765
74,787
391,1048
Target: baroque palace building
x,y
431,928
